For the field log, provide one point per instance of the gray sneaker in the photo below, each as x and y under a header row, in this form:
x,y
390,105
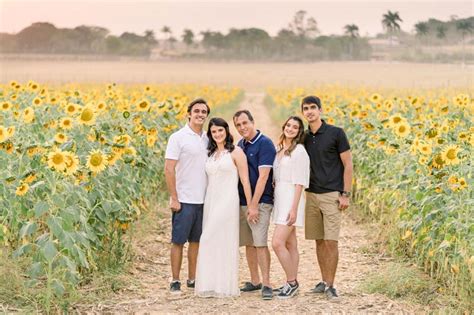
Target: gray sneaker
x,y
332,294
267,293
175,287
319,288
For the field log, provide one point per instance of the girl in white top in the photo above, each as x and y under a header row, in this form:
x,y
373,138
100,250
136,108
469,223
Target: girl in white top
x,y
291,176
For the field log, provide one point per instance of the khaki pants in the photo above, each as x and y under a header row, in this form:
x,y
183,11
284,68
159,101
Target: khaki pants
x,y
322,216
255,234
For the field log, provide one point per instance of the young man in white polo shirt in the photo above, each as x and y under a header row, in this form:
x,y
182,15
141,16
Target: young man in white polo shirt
x,y
185,174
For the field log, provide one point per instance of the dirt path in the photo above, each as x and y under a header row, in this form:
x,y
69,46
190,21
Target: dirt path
x,y
151,270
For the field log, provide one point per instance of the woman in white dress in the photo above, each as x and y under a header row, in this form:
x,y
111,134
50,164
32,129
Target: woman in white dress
x,y
217,271
291,176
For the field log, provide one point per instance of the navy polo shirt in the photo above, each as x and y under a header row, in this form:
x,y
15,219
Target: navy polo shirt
x,y
260,152
324,148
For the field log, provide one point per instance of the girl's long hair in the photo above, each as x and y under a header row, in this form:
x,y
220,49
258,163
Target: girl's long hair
x,y
296,140
229,140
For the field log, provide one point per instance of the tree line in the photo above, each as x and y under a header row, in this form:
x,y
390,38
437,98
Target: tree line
x,y
301,40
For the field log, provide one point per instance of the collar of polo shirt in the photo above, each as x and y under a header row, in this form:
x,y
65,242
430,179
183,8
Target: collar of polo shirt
x,y
257,136
191,131
321,129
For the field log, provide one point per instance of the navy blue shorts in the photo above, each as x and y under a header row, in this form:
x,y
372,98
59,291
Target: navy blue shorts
x,y
187,223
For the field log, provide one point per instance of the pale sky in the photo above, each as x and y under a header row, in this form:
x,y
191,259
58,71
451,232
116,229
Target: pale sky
x,y
137,16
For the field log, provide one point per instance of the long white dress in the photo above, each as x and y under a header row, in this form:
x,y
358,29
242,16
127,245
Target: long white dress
x,y
287,172
217,271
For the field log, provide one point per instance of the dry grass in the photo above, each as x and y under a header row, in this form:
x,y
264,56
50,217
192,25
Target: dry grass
x,y
250,76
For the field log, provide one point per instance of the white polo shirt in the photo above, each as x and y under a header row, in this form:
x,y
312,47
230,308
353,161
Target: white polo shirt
x,y
190,150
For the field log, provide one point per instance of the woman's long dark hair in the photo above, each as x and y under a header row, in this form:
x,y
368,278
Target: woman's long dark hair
x,y
296,140
229,140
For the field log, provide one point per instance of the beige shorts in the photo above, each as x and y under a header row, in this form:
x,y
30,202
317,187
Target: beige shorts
x,y
322,216
255,234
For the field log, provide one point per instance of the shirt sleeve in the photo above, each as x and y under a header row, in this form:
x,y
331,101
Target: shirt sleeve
x,y
172,149
267,154
342,142
300,167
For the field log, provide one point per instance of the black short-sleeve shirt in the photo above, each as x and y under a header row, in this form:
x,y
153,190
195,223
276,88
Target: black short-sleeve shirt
x,y
324,147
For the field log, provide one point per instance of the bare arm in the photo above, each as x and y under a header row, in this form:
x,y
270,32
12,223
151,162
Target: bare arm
x,y
346,158
170,175
240,161
264,172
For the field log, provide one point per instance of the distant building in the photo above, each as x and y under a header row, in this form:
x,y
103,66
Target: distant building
x,y
166,49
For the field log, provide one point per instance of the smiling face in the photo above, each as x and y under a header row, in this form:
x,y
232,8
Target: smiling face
x,y
291,129
198,114
311,112
218,134
245,127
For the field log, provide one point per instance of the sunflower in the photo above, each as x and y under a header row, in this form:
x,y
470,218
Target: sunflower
x,y
22,189
130,151
423,160
28,115
463,136
60,137
30,178
452,180
57,160
150,141
71,109
4,134
396,119
33,86
143,105
97,161
402,130
462,183
438,161
424,148
4,106
66,123
450,154
101,106
113,157
375,98
87,116
72,163
37,101
123,139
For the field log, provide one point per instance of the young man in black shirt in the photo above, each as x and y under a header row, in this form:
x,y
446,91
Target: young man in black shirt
x,y
329,190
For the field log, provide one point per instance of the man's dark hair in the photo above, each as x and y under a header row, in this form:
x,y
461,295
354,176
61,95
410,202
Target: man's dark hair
x,y
311,100
243,111
198,101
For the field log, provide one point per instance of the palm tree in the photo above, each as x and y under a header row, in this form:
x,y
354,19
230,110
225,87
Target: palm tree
x,y
390,23
464,27
167,31
352,31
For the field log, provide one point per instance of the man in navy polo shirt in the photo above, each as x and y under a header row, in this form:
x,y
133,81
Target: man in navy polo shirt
x,y
255,218
329,190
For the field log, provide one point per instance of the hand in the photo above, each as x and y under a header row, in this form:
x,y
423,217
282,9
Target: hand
x,y
343,202
174,204
291,218
252,214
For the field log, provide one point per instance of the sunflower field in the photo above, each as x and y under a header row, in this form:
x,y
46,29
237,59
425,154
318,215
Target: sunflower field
x,y
413,169
76,163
